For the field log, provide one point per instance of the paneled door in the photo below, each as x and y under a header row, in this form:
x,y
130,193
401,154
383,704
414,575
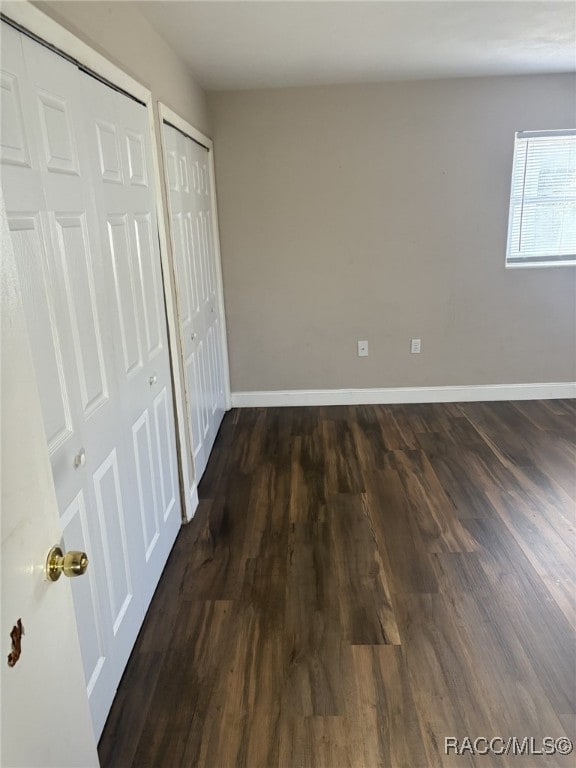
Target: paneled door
x,y
119,152
49,669
197,289
76,175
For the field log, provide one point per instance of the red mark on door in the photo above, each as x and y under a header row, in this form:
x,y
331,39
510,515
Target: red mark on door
x,y
16,637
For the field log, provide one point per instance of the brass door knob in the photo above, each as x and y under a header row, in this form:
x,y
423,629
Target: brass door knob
x,y
70,564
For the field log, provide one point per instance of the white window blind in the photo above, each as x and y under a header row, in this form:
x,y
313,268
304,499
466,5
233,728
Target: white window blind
x,y
542,223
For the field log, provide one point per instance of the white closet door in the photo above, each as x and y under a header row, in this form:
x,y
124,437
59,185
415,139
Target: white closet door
x,y
198,158
64,297
114,471
118,147
188,182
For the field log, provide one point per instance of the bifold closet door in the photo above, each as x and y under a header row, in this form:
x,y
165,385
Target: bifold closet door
x,y
76,176
197,289
121,169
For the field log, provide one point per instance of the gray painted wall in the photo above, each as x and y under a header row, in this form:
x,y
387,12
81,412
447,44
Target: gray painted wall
x,y
379,212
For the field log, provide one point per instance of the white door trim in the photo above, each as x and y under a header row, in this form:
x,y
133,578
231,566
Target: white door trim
x,y
34,20
167,115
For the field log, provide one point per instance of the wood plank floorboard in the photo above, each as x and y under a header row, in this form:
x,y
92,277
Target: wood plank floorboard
x,y
358,584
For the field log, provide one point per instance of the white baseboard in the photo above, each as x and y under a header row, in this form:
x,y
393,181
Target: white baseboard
x,y
478,393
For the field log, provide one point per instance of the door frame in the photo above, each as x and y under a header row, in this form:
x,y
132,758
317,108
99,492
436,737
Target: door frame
x,y
33,20
167,115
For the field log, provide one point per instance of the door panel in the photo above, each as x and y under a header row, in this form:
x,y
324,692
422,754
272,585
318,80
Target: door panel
x,y
182,244
27,240
74,522
135,145
194,403
203,384
110,511
14,149
194,265
108,152
124,284
78,280
164,457
146,482
60,151
150,284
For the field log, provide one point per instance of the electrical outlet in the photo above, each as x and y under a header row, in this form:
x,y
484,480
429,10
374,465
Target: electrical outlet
x,y
362,349
415,345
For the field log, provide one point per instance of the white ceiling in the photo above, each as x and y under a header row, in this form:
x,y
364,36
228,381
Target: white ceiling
x,y
275,43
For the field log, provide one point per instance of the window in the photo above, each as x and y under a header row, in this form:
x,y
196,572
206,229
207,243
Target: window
x,y
542,222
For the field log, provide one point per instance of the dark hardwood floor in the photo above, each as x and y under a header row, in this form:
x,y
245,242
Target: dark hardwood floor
x,y
358,584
